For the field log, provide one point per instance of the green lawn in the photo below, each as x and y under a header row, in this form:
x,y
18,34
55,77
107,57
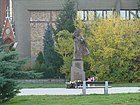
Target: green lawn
x,y
114,99
63,85
126,85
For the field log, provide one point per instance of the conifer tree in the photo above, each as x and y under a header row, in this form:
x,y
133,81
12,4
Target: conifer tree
x,y
10,68
40,58
52,59
48,43
65,20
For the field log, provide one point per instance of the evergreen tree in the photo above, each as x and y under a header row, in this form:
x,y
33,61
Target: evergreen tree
x,y
48,44
52,59
65,20
10,69
40,59
40,63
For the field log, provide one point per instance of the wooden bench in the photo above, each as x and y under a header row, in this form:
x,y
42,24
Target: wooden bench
x,y
96,84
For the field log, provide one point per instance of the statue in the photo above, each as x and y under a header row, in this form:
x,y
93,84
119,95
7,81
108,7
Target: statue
x,y
80,46
80,50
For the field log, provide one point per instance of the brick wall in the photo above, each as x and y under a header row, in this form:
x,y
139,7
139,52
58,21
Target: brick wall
x,y
38,24
2,12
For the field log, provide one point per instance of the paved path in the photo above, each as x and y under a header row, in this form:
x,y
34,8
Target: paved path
x,y
64,91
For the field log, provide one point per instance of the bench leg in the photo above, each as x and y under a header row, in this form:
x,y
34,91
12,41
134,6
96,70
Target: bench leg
x,y
84,88
106,87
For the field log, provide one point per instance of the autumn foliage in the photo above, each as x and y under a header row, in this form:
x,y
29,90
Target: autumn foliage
x,y
114,48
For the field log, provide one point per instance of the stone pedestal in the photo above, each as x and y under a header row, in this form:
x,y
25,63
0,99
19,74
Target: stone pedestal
x,y
77,71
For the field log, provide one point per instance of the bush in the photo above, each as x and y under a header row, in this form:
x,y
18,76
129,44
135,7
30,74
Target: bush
x,y
40,58
49,69
7,89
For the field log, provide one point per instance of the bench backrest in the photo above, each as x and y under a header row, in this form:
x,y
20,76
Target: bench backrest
x,y
94,82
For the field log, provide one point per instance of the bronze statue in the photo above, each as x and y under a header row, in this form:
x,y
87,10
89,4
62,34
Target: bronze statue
x,y
80,46
80,50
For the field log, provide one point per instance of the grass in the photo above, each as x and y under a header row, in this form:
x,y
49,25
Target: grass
x,y
126,85
113,99
62,85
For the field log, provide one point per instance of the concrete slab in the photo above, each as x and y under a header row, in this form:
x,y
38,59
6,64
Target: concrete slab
x,y
64,91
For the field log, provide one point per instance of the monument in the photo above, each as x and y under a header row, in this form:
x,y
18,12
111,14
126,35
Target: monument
x,y
80,50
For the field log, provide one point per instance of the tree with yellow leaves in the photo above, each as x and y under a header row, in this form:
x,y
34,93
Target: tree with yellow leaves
x,y
114,47
64,46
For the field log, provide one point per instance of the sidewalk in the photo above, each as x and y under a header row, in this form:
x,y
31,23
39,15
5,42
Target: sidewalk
x,y
64,91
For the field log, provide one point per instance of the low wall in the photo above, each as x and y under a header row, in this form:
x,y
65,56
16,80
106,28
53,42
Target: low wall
x,y
41,81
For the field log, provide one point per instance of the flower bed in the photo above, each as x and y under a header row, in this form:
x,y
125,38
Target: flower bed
x,y
72,84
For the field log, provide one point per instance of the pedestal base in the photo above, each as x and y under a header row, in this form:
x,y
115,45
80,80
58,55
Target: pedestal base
x,y
77,72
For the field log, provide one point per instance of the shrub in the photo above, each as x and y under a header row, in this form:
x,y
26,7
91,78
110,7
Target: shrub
x,y
7,89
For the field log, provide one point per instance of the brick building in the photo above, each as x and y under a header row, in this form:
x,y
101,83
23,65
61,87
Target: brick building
x,y
30,17
4,4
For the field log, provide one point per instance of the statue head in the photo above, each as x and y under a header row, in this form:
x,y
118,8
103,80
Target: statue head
x,y
76,33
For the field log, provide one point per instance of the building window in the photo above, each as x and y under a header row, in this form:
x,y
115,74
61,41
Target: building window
x,y
80,15
91,15
123,14
133,14
99,13
129,14
105,14
138,13
109,13
83,15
